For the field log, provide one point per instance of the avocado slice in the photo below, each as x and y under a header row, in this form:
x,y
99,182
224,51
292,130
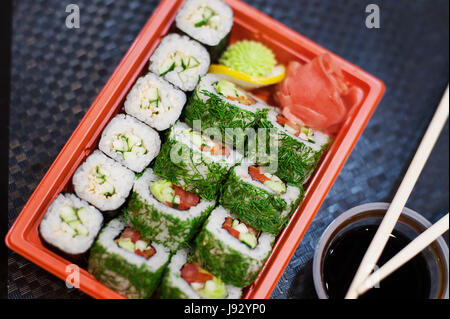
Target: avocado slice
x,y
163,191
213,289
127,244
276,186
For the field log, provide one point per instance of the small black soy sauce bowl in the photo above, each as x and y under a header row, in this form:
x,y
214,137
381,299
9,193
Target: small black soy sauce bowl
x,y
343,244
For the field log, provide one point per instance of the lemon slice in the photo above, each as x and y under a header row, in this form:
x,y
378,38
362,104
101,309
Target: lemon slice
x,y
247,81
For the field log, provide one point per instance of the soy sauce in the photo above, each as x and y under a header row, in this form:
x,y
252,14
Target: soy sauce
x,y
342,260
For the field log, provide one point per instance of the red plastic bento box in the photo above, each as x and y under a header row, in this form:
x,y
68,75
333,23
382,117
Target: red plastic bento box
x,y
249,23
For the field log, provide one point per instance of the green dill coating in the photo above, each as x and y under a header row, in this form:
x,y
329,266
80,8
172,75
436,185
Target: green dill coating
x,y
215,112
296,160
115,271
263,210
195,172
226,256
156,225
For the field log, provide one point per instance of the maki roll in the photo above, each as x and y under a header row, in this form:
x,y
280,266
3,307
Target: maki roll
x,y
180,61
260,199
299,148
123,261
223,105
155,102
231,249
130,142
103,182
194,161
207,21
185,279
70,224
164,212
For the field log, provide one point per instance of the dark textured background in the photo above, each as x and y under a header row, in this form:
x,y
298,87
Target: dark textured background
x,y
57,73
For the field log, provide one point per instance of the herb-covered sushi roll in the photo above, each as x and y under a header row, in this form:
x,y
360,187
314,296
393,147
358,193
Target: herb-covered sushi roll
x,y
130,142
123,261
103,182
185,279
155,102
260,199
299,148
70,224
180,60
164,212
221,104
194,161
231,249
207,21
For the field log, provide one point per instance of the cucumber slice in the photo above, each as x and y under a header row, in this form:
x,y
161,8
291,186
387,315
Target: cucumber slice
x,y
68,214
234,223
126,244
139,150
83,215
108,189
78,227
249,239
134,140
67,229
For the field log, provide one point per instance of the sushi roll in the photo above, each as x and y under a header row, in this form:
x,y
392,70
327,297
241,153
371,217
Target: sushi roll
x,y
155,102
70,224
207,21
164,212
231,249
185,279
130,142
260,199
103,182
180,60
194,161
299,148
123,261
221,104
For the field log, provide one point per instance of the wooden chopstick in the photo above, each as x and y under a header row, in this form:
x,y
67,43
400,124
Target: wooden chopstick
x,y
406,254
381,237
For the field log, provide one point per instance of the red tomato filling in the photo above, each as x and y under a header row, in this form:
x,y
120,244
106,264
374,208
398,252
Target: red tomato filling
x,y
217,149
187,200
257,174
194,273
282,120
233,232
134,237
246,100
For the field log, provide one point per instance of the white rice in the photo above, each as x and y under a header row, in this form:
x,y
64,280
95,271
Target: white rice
x,y
291,195
259,253
186,80
171,104
206,83
119,176
174,272
142,187
128,125
52,230
113,230
210,35
320,138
